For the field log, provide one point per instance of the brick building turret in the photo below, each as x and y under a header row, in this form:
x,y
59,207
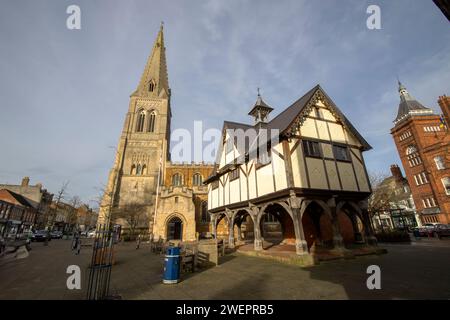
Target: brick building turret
x,y
423,142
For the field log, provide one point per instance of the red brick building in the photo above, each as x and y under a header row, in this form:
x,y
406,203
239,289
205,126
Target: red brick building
x,y
17,214
423,142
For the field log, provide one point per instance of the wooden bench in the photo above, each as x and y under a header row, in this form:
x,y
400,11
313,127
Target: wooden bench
x,y
187,262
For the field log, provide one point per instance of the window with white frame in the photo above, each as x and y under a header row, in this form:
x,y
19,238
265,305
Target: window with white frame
x,y
446,183
429,202
440,164
413,156
421,178
424,177
432,129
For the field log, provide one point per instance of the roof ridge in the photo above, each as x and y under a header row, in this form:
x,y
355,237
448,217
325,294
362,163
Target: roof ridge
x,y
295,102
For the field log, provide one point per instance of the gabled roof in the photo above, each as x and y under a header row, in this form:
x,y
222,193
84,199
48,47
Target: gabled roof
x,y
234,126
286,118
284,121
17,198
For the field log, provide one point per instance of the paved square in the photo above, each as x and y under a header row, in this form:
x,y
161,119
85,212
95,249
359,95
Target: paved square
x,y
416,271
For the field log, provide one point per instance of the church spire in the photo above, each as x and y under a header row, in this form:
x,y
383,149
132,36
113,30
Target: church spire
x,y
154,80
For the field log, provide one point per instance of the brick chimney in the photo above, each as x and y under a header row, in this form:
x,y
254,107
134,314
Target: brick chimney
x,y
396,173
444,103
25,181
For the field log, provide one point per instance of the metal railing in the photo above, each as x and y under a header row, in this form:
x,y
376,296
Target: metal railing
x,y
101,263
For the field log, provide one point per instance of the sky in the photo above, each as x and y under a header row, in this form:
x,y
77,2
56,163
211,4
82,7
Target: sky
x,y
64,93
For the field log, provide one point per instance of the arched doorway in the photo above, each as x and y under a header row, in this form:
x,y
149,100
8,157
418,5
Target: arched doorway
x,y
222,227
243,227
175,229
350,225
317,226
276,225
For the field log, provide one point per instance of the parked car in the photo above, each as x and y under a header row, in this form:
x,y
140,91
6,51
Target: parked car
x,y
421,231
441,230
56,234
91,234
41,235
24,235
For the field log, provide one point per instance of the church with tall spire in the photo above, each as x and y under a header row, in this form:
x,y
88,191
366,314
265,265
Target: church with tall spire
x,y
145,192
423,143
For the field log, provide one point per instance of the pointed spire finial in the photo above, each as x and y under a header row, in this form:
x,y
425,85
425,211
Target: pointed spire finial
x,y
162,25
259,95
155,71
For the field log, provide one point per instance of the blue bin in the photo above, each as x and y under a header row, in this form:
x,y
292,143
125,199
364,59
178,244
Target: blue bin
x,y
172,266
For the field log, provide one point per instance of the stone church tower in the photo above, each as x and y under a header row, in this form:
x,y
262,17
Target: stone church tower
x,y
143,147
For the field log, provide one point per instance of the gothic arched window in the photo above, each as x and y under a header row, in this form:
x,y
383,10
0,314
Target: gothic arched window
x,y
197,179
151,122
205,215
177,179
133,169
144,169
141,121
151,86
138,169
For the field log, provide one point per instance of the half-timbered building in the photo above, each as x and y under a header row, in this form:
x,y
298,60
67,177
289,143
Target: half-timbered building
x,y
299,179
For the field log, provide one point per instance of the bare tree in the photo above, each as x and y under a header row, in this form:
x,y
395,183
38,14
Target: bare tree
x,y
133,213
60,195
104,203
384,196
75,203
379,200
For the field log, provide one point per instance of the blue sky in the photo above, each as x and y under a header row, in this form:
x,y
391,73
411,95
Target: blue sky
x,y
64,93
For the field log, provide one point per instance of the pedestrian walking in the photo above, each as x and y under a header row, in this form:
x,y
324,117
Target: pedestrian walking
x,y
138,241
47,235
78,247
75,241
